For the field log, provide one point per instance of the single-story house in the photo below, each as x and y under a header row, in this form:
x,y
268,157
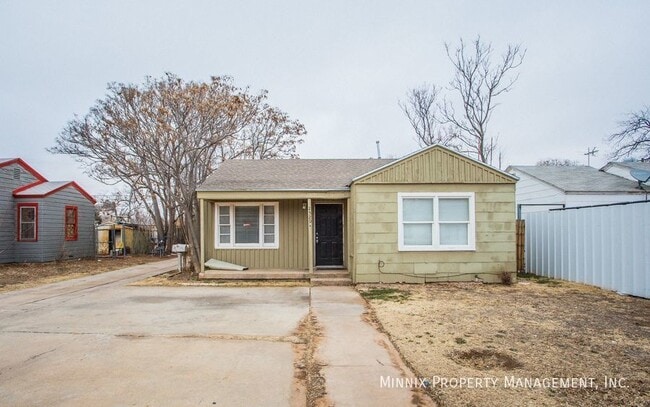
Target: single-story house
x,y
42,220
541,188
434,215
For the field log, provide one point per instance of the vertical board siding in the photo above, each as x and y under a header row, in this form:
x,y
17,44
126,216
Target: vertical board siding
x,y
608,247
437,165
375,238
291,254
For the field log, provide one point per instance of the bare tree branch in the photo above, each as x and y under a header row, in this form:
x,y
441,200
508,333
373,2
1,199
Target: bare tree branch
x,y
478,82
421,109
633,137
163,138
557,162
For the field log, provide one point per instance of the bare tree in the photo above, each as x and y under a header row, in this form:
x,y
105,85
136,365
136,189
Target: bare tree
x,y
163,139
421,109
478,82
557,162
122,206
633,137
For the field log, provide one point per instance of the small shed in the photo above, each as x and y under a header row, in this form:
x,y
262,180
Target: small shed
x,y
123,238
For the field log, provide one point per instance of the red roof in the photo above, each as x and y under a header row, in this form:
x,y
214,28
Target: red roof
x,y
42,187
8,161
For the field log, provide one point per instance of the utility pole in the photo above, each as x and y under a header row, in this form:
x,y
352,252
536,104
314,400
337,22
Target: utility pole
x,y
589,153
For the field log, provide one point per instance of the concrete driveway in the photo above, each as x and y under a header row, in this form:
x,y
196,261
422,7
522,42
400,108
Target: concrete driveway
x,y
97,341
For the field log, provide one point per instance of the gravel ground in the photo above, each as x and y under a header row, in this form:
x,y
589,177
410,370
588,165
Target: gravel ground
x,y
487,345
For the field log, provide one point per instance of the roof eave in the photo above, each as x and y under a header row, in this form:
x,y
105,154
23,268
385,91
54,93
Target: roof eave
x,y
347,189
18,193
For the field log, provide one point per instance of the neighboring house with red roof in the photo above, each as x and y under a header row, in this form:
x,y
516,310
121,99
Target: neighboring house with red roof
x,y
41,220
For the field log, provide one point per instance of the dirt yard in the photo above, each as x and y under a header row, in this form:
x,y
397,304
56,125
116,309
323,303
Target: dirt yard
x,y
174,278
538,342
16,276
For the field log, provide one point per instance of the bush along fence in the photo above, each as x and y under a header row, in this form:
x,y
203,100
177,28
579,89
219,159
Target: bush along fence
x,y
607,246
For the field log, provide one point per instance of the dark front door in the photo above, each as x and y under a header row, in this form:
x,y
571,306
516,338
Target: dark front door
x,y
329,235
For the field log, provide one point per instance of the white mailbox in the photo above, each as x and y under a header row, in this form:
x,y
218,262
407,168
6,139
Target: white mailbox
x,y
179,248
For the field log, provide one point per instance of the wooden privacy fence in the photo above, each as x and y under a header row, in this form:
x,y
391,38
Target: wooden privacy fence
x,y
521,245
607,246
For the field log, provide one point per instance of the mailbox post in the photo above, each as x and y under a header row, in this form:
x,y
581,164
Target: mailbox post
x,y
181,251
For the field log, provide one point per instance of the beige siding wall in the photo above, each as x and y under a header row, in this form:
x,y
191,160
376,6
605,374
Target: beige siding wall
x,y
291,254
375,238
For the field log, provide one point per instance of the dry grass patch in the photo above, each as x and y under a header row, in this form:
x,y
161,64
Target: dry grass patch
x,y
15,276
531,330
184,279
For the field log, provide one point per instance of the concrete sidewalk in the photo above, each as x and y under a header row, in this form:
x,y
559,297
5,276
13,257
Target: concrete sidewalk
x,y
356,355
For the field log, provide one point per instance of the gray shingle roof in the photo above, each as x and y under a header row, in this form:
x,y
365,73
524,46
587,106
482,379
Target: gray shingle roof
x,y
288,175
580,179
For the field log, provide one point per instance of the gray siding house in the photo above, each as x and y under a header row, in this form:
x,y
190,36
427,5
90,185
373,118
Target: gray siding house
x,y
41,220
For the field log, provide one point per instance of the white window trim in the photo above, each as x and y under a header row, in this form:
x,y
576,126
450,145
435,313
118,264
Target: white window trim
x,y
261,244
436,246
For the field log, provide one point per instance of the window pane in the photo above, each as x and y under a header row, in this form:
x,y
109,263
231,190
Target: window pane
x,y
418,235
27,231
224,211
417,209
269,229
224,238
224,230
269,238
453,234
27,214
247,228
454,209
269,210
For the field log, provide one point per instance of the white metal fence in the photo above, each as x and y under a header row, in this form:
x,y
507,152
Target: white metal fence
x,y
607,246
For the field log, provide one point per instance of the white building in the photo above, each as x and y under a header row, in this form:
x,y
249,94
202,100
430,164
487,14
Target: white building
x,y
541,188
623,169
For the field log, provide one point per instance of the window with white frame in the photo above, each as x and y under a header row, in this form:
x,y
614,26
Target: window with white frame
x,y
247,225
436,221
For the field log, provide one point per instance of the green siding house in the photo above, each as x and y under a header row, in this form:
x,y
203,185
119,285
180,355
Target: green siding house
x,y
434,215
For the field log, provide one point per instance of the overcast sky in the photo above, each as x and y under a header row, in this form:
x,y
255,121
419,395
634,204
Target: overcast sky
x,y
339,67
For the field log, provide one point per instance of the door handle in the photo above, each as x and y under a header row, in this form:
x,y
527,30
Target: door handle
x,y
316,237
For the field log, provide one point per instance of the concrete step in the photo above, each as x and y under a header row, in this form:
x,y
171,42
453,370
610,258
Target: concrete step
x,y
331,281
330,273
254,275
